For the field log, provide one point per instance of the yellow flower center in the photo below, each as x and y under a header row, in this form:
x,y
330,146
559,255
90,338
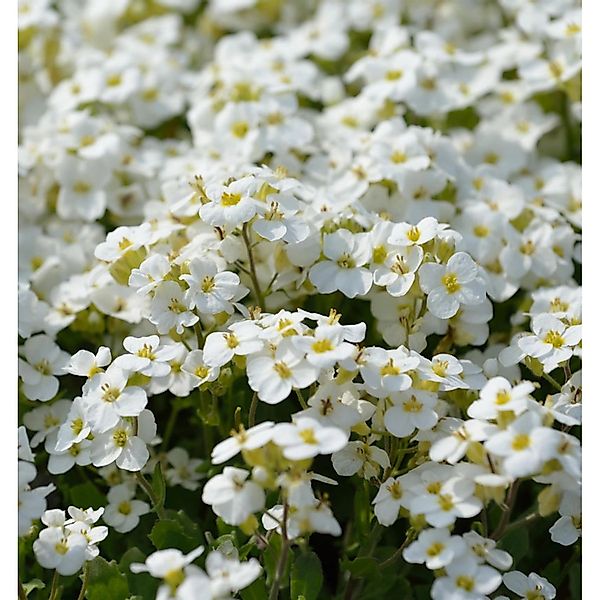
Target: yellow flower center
x,y
521,442
322,346
450,282
554,339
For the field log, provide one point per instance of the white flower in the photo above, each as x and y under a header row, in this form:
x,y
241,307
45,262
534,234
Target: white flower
x,y
532,586
168,309
232,496
411,410
244,439
385,371
59,549
228,575
484,550
498,395
123,511
111,398
121,445
466,579
405,234
452,447
45,419
274,372
552,342
199,371
525,444
452,285
230,205
147,356
393,494
306,437
434,547
242,339
455,498
346,253
86,364
184,470
210,291
360,458
43,360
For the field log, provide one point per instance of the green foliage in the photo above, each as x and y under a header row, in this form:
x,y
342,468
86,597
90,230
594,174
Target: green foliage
x,y
306,576
105,580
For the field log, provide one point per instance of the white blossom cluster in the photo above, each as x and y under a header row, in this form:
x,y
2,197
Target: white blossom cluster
x,y
360,213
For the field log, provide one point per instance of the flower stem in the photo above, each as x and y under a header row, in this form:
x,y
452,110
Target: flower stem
x,y
505,518
252,413
255,284
84,583
283,557
147,487
175,408
54,586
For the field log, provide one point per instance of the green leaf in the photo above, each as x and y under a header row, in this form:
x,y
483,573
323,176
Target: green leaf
x,y
271,557
106,581
158,485
306,577
85,495
170,533
34,584
363,566
256,591
140,584
516,542
575,581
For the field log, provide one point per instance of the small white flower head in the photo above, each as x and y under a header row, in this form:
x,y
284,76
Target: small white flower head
x,y
434,547
498,395
179,575
452,285
306,437
169,310
121,444
532,586
524,445
273,373
241,340
124,511
411,410
244,439
111,398
346,254
146,356
43,359
86,364
466,578
183,470
360,458
210,291
425,230
232,496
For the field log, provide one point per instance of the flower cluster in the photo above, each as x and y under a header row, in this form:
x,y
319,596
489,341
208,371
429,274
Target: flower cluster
x,y
293,268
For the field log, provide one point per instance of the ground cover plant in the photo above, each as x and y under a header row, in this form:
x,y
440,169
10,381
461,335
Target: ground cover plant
x,y
299,299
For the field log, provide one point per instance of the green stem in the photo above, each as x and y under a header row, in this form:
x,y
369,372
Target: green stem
x,y
522,522
199,335
22,594
301,399
410,536
54,586
253,407
283,557
255,284
84,583
505,518
147,487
